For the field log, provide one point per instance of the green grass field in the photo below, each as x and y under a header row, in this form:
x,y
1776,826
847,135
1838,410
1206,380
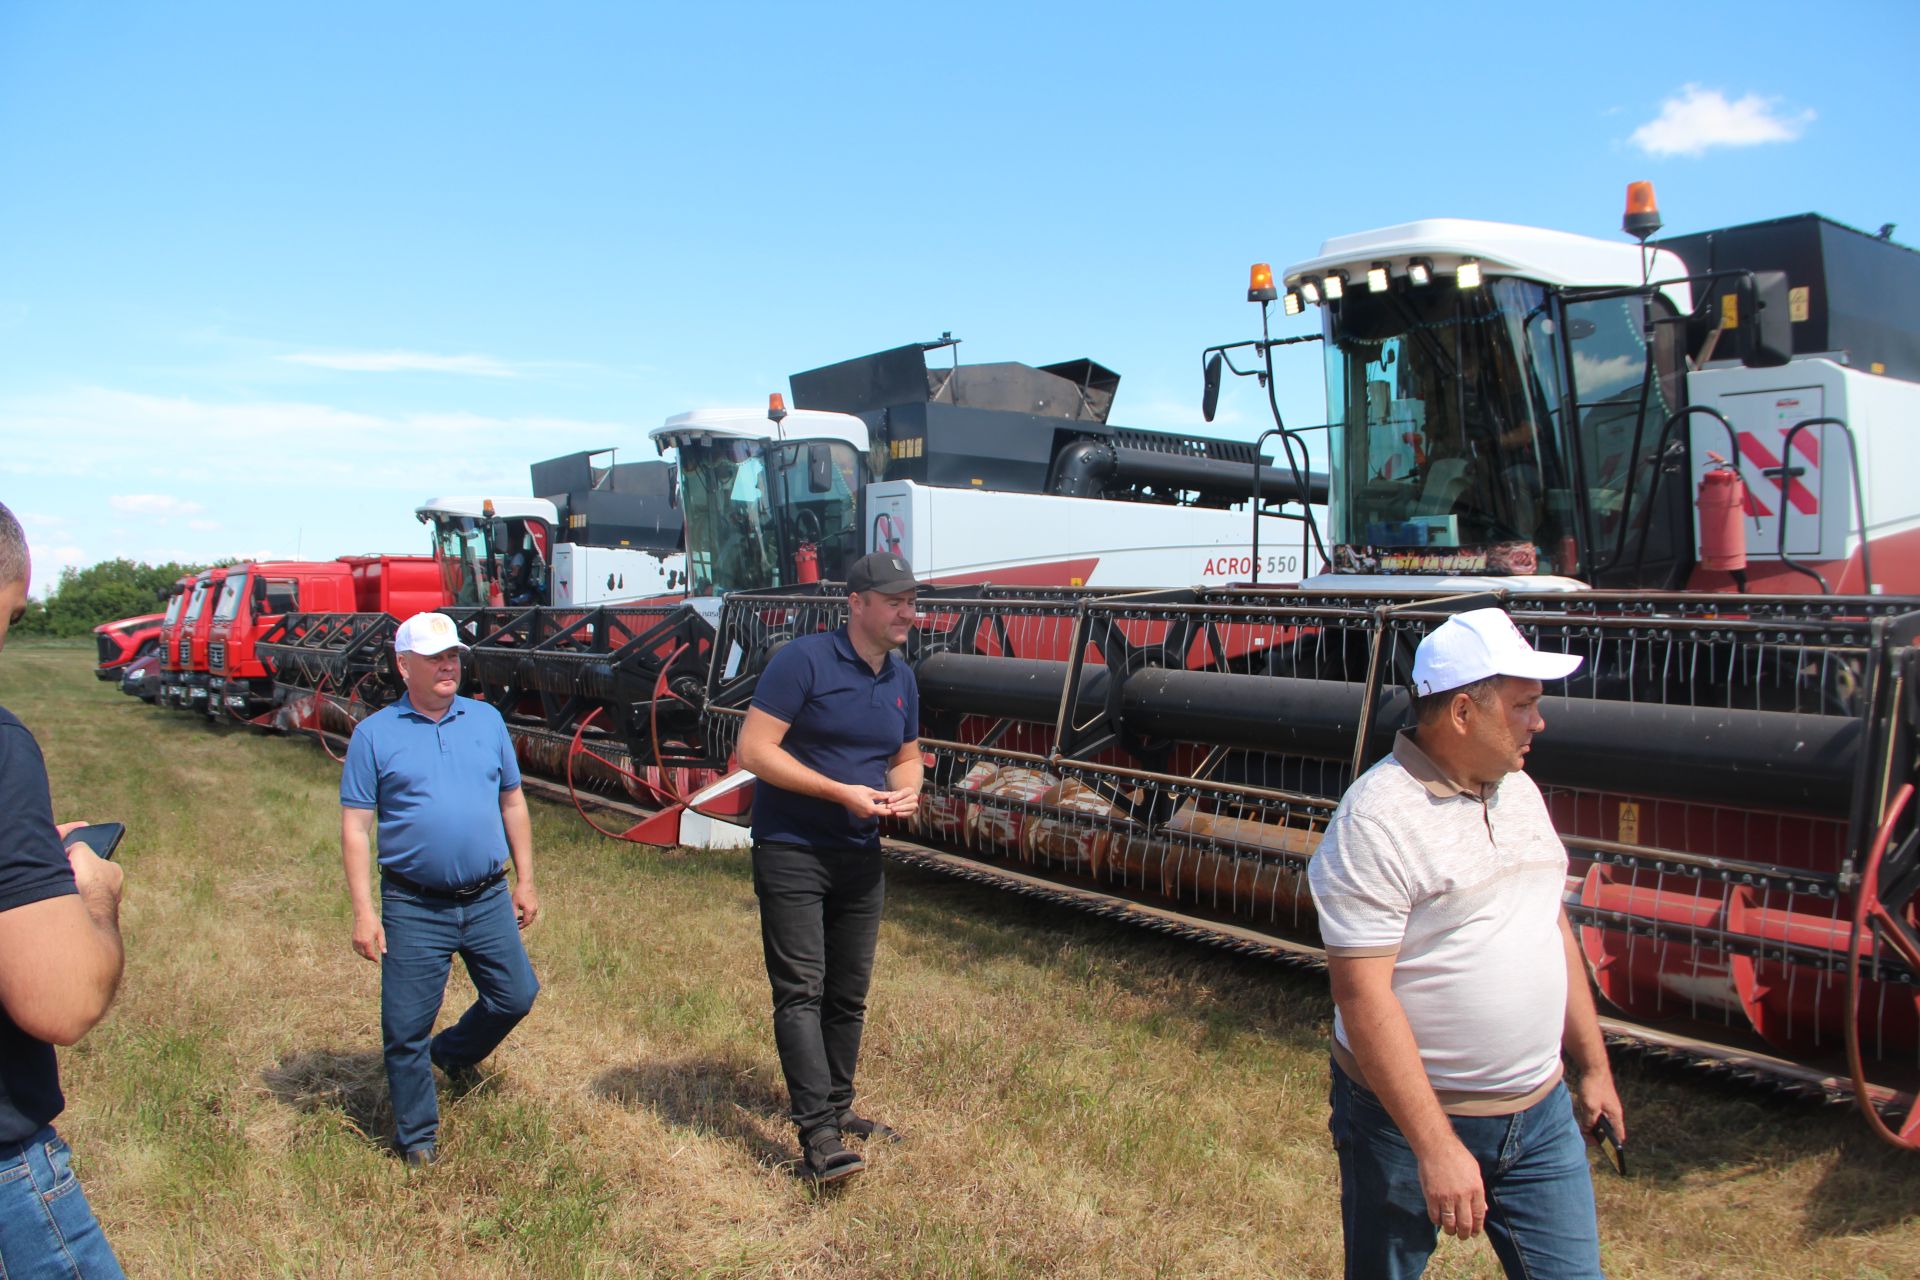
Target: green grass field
x,y
1081,1099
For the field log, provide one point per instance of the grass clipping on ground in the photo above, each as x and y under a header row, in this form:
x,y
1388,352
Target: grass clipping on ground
x,y
1080,1099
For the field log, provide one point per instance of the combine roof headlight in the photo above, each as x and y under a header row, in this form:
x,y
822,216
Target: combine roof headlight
x,y
1310,291
1290,303
1420,272
1335,285
1468,274
1377,278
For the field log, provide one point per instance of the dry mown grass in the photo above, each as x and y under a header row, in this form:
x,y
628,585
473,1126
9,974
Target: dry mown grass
x,y
1081,1100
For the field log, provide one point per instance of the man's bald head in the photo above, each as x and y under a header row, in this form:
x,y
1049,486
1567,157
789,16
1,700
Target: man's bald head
x,y
13,549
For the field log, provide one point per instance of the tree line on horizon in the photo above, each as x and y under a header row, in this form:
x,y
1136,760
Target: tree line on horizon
x,y
104,592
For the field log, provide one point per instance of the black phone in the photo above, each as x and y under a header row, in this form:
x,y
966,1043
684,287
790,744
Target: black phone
x,y
102,837
1610,1145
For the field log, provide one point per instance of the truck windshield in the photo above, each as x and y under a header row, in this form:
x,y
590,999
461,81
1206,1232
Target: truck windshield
x,y
750,505
232,591
174,603
1447,409
199,599
460,548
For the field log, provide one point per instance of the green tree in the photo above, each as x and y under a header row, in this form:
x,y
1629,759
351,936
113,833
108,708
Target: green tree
x,y
100,593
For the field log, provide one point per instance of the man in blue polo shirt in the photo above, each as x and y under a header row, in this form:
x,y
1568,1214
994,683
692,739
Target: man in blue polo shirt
x,y
833,736
439,771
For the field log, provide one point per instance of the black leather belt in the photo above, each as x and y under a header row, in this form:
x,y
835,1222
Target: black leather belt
x,y
465,893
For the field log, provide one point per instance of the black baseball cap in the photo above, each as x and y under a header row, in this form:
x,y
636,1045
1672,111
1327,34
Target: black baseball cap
x,y
882,571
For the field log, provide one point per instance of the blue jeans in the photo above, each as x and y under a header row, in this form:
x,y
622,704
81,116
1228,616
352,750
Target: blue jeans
x,y
1533,1163
46,1226
423,936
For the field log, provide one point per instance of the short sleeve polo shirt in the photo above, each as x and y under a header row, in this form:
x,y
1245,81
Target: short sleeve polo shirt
x,y
843,720
436,785
33,868
1463,889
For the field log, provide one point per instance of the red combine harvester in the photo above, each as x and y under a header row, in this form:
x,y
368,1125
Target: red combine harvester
x,y
607,531
1001,472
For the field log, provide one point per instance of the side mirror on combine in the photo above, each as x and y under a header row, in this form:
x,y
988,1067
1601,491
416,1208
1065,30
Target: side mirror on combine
x,y
1765,327
1210,397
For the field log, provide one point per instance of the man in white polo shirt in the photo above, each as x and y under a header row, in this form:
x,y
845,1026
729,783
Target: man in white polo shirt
x,y
1457,984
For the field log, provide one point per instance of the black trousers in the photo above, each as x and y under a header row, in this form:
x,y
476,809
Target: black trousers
x,y
819,921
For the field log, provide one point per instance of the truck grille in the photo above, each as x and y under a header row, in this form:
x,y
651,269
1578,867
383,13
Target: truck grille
x,y
217,655
108,649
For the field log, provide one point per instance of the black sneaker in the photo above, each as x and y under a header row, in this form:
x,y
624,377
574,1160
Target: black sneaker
x,y
867,1130
826,1159
420,1157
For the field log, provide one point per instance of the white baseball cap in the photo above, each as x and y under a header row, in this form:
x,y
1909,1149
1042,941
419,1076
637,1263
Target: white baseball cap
x,y
427,634
1479,643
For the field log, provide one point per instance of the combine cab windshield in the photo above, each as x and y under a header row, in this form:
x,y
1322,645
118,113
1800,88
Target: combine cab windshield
x,y
460,549
751,504
1447,410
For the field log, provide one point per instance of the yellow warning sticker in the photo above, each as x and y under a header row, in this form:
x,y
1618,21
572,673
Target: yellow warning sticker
x,y
1729,311
1799,300
1629,822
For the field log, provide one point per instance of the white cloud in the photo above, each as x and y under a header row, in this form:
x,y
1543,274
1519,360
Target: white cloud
x,y
1696,119
153,504
1598,378
203,526
404,362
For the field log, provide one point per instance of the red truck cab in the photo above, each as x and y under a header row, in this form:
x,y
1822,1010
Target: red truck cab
x,y
258,594
194,675
154,683
176,657
123,640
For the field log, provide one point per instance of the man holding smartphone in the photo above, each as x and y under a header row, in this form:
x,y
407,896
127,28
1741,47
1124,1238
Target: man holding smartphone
x,y
60,961
1457,985
438,771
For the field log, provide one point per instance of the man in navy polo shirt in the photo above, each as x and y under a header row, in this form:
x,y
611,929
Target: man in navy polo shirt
x,y
833,736
439,771
60,959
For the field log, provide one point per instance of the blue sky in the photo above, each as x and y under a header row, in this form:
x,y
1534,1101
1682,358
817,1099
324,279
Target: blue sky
x,y
270,275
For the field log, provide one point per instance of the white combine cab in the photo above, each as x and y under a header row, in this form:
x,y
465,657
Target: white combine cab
x,y
1003,474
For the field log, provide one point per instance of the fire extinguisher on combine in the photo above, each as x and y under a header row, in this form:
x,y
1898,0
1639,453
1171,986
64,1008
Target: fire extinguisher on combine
x,y
1723,538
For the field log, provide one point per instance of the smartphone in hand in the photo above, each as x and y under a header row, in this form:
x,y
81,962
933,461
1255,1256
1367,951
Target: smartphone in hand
x,y
1610,1145
102,837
